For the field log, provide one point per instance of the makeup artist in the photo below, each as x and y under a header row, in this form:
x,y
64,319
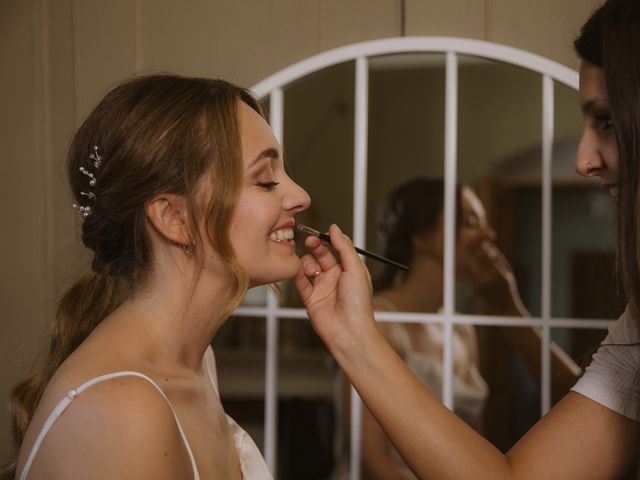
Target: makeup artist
x,y
411,227
592,433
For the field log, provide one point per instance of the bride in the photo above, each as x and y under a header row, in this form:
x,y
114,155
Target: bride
x,y
185,204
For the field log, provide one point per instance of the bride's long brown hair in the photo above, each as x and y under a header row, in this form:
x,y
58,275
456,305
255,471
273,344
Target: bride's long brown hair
x,y
155,134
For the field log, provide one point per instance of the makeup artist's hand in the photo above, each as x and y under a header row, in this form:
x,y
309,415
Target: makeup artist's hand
x,y
336,294
494,282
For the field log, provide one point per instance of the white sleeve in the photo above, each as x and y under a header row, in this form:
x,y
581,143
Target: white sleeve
x,y
613,379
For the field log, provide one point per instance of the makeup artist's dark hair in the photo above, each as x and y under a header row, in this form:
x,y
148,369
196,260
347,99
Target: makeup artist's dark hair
x,y
610,39
156,134
412,208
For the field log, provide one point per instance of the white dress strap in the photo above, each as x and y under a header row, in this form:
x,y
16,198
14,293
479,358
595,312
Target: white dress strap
x,y
64,403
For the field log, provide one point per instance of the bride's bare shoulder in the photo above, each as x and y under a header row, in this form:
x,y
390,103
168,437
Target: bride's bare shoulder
x,y
121,427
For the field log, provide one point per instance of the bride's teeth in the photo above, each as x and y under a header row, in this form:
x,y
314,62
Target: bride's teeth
x,y
280,235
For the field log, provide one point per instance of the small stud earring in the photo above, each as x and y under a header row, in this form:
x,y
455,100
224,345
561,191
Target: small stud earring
x,y
189,249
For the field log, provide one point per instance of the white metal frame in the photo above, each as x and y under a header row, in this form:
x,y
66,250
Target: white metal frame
x,y
550,71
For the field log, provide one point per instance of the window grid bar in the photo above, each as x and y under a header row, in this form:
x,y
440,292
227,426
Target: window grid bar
x,y
359,222
276,105
271,386
450,180
547,150
356,435
457,319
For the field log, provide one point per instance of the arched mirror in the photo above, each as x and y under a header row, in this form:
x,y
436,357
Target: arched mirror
x,y
473,142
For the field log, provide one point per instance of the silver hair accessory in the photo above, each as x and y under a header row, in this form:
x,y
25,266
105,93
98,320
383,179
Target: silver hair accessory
x,y
390,217
84,210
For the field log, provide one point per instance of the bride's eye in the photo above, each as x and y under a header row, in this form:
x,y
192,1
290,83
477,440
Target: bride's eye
x,y
268,185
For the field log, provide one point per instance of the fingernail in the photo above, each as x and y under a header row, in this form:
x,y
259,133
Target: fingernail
x,y
339,231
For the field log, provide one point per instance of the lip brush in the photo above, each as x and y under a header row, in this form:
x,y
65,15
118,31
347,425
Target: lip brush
x,y
325,237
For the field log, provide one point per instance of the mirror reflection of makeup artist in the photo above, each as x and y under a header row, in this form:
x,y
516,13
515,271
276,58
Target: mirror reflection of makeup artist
x,y
412,232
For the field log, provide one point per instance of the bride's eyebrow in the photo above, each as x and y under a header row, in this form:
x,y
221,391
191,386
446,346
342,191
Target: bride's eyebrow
x,y
270,153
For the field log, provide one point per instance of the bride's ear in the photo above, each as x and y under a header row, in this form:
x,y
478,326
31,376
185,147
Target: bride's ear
x,y
168,213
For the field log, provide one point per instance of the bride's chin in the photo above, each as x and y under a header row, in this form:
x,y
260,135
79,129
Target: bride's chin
x,y
281,276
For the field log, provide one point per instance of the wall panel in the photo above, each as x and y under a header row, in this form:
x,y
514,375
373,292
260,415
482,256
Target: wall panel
x,y
237,40
21,283
545,27
104,48
456,18
191,40
63,234
343,23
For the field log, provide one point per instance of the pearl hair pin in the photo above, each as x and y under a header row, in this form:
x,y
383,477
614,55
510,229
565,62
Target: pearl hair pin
x,y
85,210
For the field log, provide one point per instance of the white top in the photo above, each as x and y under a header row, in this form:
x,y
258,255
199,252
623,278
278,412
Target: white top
x,y
469,394
612,378
252,463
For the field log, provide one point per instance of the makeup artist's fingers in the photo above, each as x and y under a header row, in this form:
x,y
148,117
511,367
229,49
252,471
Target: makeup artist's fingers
x,y
313,282
310,265
301,282
348,256
321,252
496,258
336,295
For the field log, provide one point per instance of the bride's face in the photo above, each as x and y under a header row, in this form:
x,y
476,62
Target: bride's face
x,y
261,229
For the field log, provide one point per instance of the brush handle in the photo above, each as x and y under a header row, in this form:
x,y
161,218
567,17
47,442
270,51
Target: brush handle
x,y
366,253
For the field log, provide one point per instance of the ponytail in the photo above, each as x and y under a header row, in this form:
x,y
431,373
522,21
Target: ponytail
x,y
82,308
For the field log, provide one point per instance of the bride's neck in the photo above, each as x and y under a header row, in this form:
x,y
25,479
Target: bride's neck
x,y
175,320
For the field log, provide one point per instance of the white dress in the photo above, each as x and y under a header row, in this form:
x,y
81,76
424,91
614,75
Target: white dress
x,y
469,394
612,377
252,464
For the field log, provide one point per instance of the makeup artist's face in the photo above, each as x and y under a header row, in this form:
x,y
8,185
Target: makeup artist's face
x,y
597,153
262,226
473,231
